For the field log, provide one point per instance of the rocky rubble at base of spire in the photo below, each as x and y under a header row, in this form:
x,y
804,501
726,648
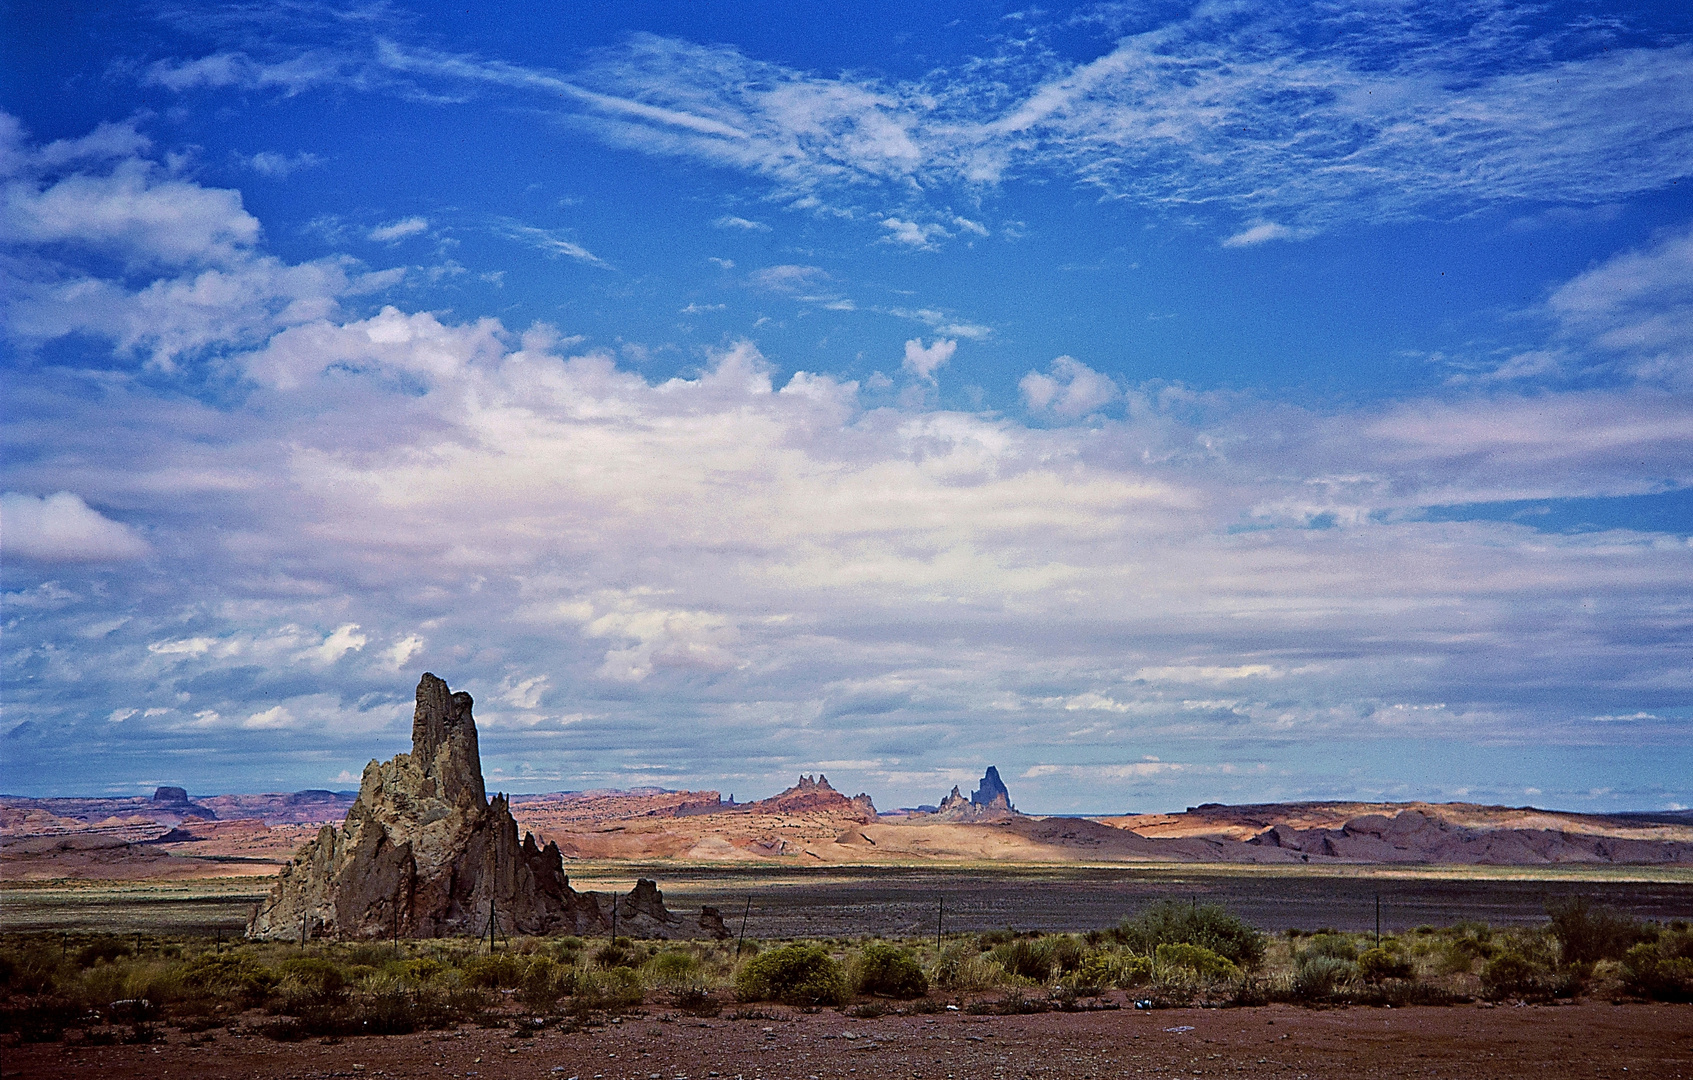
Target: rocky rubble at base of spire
x,y
423,852
990,802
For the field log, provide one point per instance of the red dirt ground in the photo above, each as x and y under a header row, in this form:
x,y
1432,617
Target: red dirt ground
x,y
1590,1039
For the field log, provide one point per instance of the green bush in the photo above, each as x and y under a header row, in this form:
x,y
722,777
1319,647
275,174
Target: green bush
x,y
1587,934
1511,974
611,989
673,967
1317,976
794,975
962,967
312,976
1024,958
103,948
500,971
1660,972
1208,926
1332,945
889,972
230,975
1376,965
544,982
1197,959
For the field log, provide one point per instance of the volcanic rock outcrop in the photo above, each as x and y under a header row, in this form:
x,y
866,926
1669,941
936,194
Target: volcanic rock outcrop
x,y
424,853
989,803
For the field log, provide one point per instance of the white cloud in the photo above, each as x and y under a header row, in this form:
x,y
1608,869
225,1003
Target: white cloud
x,y
912,233
1261,233
1225,108
399,654
399,230
277,716
923,361
731,222
550,242
134,211
788,278
1638,307
342,640
61,528
1071,389
281,166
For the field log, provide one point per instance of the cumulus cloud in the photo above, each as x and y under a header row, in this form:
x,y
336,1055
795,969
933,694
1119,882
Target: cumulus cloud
x,y
206,283
61,528
747,574
1069,389
923,361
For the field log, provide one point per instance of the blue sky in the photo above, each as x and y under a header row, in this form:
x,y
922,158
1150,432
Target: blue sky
x,y
1164,402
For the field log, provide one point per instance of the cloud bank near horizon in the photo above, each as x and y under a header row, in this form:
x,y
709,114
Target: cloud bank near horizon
x,y
248,497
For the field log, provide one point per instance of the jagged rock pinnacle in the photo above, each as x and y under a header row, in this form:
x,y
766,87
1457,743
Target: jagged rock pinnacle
x,y
424,853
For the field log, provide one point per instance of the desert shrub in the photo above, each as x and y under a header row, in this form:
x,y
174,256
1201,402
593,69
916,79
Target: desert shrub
x,y
961,967
312,976
611,989
889,972
1661,970
1208,926
794,975
1316,976
233,976
104,949
1337,946
369,955
673,967
614,954
1587,934
1197,959
500,971
1024,958
31,970
1511,974
1374,965
544,981
417,971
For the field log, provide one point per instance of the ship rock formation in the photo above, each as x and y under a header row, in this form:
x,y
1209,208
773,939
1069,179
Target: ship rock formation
x,y
990,802
423,852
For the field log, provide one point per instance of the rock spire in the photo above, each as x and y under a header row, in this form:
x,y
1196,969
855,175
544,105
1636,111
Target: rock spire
x,y
423,852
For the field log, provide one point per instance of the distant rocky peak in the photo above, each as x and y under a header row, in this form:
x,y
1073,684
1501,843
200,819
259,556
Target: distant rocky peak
x,y
170,796
806,783
991,791
443,736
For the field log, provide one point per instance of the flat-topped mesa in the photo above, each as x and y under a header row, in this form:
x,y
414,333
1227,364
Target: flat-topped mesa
x,y
424,853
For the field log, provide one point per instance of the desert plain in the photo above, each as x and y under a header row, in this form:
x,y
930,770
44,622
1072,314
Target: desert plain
x,y
813,864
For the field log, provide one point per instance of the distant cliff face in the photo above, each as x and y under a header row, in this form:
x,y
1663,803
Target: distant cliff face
x,y
422,852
